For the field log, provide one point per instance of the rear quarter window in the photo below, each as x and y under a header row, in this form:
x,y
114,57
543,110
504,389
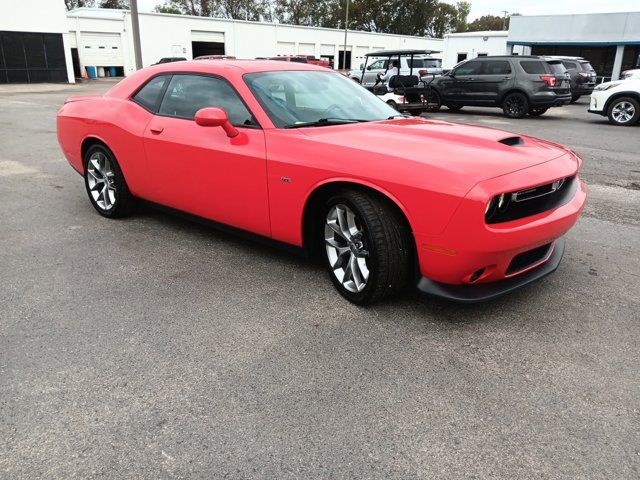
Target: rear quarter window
x,y
149,95
534,66
557,67
586,66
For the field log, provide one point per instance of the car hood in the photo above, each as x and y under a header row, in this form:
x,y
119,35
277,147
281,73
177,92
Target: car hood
x,y
477,153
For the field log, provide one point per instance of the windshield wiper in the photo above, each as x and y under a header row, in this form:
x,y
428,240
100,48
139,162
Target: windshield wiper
x,y
324,122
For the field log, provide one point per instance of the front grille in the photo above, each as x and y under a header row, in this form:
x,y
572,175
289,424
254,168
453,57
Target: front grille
x,y
524,203
526,259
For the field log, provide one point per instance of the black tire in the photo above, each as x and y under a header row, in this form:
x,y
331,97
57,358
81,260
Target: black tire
x,y
575,98
434,102
124,202
632,109
455,108
515,105
415,113
393,105
536,112
386,238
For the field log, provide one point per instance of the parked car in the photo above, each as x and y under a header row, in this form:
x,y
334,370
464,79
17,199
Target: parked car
x,y
290,58
583,76
170,60
422,64
628,74
316,61
307,158
520,85
215,57
619,101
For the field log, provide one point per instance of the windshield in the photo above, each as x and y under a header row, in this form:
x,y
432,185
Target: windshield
x,y
295,98
557,67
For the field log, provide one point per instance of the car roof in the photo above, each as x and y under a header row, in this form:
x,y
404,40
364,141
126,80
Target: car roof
x,y
390,53
248,66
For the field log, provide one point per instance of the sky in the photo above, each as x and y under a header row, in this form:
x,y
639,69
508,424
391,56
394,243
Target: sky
x,y
528,7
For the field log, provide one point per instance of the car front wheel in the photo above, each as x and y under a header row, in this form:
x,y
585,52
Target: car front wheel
x,y
367,247
105,184
515,105
624,111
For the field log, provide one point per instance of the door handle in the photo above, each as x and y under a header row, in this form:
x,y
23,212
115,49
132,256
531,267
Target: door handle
x,y
506,78
156,130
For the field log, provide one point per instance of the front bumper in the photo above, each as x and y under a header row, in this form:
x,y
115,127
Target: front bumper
x,y
471,255
489,291
598,102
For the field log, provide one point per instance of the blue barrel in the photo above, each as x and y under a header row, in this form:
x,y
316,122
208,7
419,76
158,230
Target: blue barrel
x,y
112,71
91,71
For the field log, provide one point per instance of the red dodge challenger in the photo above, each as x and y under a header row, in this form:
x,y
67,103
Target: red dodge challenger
x,y
307,158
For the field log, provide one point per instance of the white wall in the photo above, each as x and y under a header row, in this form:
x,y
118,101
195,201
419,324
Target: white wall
x,y
474,43
20,16
170,35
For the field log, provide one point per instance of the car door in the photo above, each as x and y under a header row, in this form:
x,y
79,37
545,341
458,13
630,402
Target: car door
x,y
200,170
456,87
495,77
378,66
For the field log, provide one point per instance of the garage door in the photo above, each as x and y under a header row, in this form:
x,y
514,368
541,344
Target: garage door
x,y
307,48
207,36
327,49
286,48
101,49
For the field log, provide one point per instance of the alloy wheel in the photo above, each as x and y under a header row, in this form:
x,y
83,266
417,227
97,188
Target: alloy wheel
x,y
346,249
623,112
514,105
101,181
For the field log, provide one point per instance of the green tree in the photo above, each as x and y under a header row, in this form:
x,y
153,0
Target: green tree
x,y
118,4
72,4
489,22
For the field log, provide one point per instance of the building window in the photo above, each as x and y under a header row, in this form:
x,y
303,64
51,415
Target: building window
x,y
461,57
483,54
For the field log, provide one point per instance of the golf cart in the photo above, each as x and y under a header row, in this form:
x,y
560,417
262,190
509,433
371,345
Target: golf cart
x,y
410,89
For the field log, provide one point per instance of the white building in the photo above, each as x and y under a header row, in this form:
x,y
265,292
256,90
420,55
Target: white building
x,y
467,45
610,41
103,38
34,47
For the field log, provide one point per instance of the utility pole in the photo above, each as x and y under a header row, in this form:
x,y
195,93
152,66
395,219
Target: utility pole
x,y
504,19
346,28
135,31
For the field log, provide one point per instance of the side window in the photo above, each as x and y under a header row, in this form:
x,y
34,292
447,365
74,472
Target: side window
x,y
570,65
379,64
469,68
496,67
187,94
533,66
149,95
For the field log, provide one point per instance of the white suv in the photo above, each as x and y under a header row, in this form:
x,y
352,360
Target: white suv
x,y
423,66
619,100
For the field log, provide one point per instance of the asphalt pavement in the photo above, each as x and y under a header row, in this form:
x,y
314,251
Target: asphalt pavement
x,y
152,347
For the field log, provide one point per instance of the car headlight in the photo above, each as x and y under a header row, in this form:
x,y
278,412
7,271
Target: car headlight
x,y
605,86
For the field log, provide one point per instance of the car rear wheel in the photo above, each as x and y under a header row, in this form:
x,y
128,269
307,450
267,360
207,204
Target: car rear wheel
x,y
105,184
367,247
515,105
393,104
624,111
536,112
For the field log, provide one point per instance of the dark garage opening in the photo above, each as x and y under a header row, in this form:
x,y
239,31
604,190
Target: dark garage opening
x,y
27,57
207,48
600,57
341,60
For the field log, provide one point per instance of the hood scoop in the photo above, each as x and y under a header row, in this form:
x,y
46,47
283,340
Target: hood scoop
x,y
512,141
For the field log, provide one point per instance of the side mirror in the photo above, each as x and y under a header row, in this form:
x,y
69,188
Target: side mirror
x,y
215,117
369,67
